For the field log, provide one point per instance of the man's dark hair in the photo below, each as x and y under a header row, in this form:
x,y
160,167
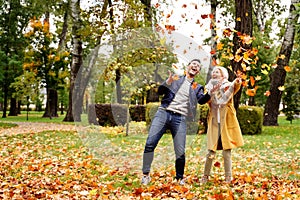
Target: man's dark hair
x,y
195,60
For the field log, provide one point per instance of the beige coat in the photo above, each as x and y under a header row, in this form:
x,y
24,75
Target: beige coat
x,y
230,130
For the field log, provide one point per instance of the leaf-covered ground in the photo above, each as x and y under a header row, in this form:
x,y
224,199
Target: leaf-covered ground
x,y
101,163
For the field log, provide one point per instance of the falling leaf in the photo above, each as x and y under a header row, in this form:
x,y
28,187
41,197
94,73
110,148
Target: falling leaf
x,y
251,92
252,81
274,65
175,77
220,46
238,19
213,52
194,85
267,93
184,6
214,62
204,16
281,88
265,72
244,66
282,56
227,32
287,68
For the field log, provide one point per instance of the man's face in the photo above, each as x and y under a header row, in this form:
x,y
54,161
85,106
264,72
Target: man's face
x,y
193,69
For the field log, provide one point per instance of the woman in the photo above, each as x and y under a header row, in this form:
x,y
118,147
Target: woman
x,y
223,132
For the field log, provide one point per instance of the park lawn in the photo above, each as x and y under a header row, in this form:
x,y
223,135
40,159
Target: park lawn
x,y
103,163
33,116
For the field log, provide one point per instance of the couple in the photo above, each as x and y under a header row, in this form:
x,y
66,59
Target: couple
x,y
179,103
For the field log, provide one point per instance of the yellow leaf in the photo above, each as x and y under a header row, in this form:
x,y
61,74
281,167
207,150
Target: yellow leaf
x,y
265,72
244,66
163,41
238,19
281,88
282,56
263,66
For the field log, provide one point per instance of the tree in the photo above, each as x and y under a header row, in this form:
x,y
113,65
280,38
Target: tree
x,y
91,32
14,18
243,26
46,62
277,77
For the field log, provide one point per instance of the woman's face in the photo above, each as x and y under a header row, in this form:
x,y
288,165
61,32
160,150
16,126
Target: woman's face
x,y
216,74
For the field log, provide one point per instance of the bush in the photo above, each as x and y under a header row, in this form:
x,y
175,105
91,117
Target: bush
x,y
114,114
137,112
250,119
107,114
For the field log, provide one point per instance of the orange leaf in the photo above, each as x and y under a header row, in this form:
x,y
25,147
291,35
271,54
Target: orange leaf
x,y
227,32
194,85
175,77
184,6
220,46
214,62
287,68
267,93
213,51
252,81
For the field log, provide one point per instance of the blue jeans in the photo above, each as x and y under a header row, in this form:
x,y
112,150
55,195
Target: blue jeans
x,y
162,121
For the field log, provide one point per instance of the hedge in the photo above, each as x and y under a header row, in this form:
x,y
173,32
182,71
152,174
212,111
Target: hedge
x,y
249,117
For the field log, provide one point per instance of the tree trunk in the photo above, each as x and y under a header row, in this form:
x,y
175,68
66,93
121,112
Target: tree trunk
x,y
278,76
51,103
76,61
13,111
213,8
5,94
243,25
118,86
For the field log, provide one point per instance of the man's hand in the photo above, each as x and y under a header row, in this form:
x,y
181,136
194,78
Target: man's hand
x,y
171,78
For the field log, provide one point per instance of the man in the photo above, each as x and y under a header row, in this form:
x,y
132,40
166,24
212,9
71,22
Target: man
x,y
181,95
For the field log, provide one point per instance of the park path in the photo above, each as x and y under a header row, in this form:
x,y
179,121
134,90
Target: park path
x,y
35,127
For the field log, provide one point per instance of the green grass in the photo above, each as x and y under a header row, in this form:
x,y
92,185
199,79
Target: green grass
x,y
7,125
33,116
